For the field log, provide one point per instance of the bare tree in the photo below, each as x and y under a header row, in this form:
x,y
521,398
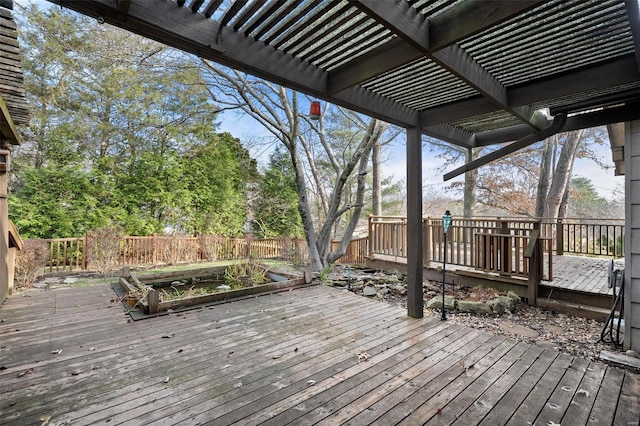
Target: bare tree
x,y
533,181
277,109
559,187
452,154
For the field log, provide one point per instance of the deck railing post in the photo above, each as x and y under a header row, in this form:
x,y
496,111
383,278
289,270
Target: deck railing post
x,y
426,240
154,248
84,253
534,253
504,247
370,237
559,237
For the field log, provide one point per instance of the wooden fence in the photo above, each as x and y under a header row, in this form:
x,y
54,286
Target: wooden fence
x,y
75,254
356,252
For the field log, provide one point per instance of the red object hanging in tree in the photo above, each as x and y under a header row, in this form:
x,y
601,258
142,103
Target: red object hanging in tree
x,y
314,111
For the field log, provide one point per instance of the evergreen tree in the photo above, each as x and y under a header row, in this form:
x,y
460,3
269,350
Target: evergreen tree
x,y
276,205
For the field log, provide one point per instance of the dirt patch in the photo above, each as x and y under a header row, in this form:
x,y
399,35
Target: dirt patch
x,y
517,330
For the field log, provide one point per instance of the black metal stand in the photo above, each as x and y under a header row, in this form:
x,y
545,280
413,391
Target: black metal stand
x,y
443,317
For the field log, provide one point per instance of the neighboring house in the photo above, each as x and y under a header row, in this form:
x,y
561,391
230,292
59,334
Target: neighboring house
x,y
13,112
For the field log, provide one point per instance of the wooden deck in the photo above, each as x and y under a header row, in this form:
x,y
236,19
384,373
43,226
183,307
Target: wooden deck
x,y
286,358
576,273
580,273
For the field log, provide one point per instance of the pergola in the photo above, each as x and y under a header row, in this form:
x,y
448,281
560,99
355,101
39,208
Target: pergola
x,y
469,72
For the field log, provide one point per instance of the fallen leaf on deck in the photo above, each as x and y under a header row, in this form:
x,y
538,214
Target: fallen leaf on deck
x,y
552,423
166,379
311,382
583,392
92,348
76,372
57,351
168,335
45,420
25,372
363,356
276,356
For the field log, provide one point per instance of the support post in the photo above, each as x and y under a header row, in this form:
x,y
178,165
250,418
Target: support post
x,y
415,303
370,237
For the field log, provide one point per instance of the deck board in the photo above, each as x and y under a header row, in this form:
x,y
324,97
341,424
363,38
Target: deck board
x,y
252,361
534,402
558,402
512,400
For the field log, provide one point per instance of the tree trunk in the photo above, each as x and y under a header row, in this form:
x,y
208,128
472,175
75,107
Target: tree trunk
x,y
470,182
545,177
562,211
305,212
374,131
376,185
346,237
562,174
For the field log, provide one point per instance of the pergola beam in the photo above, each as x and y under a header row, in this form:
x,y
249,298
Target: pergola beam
x,y
633,12
628,112
404,21
452,134
400,18
555,127
469,18
605,74
192,32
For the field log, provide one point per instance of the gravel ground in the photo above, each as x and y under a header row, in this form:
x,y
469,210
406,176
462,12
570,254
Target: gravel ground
x,y
568,334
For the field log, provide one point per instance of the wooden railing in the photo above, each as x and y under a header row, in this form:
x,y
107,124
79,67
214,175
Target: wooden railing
x,y
74,254
596,237
502,253
66,254
490,244
387,236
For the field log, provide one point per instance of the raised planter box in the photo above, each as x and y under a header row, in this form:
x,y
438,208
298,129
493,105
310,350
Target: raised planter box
x,y
144,292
